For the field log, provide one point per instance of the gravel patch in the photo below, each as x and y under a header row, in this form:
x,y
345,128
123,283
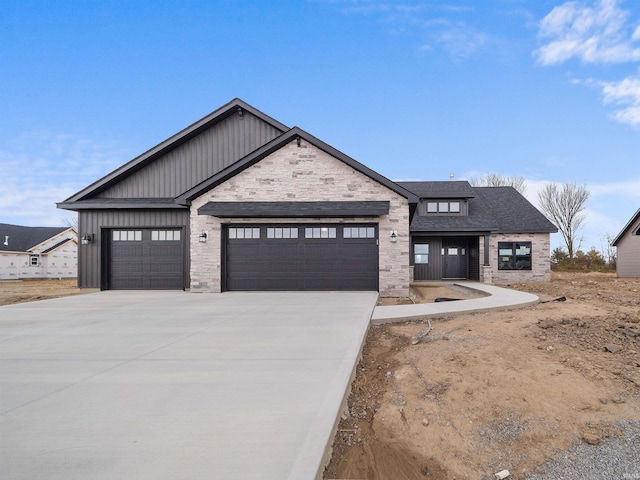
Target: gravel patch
x,y
617,458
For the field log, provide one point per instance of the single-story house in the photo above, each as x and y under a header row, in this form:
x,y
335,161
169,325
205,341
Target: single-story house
x,y
37,252
239,201
627,245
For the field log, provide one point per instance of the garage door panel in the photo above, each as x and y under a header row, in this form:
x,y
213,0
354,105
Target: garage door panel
x,y
301,263
140,259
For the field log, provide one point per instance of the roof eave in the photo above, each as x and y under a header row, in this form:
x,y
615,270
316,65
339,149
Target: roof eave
x,y
626,228
276,144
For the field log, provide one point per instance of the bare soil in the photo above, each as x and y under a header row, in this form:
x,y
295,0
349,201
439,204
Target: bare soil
x,y
493,391
20,291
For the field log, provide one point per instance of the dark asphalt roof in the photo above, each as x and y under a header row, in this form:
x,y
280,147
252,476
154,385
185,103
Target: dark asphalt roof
x,y
455,189
492,209
21,239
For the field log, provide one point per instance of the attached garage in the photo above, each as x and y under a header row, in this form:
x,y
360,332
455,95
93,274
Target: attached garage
x,y
301,257
145,259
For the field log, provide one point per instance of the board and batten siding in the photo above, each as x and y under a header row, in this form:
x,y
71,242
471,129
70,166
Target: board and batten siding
x,y
95,221
196,160
628,256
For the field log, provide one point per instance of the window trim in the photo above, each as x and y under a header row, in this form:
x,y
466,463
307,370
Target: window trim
x,y
33,257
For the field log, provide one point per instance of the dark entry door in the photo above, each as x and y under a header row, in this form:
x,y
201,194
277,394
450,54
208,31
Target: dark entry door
x,y
455,259
301,257
146,259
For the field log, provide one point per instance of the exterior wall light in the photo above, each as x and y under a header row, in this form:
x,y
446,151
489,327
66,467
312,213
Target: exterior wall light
x,y
86,239
394,236
203,237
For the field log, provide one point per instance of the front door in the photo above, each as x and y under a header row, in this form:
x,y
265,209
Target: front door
x,y
455,258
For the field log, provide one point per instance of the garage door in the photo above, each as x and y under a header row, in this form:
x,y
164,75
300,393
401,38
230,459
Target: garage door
x,y
301,257
146,259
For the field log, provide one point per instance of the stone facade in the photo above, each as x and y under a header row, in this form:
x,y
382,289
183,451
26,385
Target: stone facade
x,y
540,255
302,173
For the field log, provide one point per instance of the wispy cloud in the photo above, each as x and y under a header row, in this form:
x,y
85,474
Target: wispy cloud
x,y
597,33
42,168
441,25
600,33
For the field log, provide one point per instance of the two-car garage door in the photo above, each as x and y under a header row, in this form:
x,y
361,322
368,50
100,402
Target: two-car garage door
x,y
301,257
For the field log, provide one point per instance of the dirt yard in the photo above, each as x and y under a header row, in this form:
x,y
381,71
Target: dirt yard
x,y
20,291
493,391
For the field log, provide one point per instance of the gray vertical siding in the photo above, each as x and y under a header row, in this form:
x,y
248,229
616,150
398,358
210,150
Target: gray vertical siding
x,y
93,221
196,160
432,270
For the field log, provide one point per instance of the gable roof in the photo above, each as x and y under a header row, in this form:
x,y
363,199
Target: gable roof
x,y
22,239
276,144
626,228
491,209
234,106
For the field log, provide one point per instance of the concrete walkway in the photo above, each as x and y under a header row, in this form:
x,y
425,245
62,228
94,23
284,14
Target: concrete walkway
x,y
497,299
174,385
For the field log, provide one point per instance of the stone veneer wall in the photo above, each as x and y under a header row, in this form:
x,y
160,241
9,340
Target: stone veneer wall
x,y
540,258
302,173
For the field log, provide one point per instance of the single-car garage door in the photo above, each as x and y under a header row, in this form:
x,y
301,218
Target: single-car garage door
x,y
301,257
145,259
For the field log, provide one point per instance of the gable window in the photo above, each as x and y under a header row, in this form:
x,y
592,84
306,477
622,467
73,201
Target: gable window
x,y
443,207
514,255
33,260
421,253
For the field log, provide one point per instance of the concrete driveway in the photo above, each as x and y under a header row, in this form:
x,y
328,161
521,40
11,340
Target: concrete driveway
x,y
174,385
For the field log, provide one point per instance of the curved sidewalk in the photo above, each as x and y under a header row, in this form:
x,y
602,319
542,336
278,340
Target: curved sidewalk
x,y
498,299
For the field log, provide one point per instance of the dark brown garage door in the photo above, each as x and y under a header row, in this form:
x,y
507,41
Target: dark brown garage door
x,y
301,257
146,259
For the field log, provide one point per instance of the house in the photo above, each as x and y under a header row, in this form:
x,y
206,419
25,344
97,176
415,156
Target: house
x,y
37,252
239,201
627,245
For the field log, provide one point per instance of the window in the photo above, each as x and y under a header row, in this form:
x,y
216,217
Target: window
x,y
239,233
359,232
320,232
127,235
165,235
33,260
421,253
443,207
282,232
514,255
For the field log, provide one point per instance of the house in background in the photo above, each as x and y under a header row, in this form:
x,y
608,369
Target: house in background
x,y
627,244
37,252
239,201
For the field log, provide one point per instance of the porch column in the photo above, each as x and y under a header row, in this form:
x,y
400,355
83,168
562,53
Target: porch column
x,y
486,250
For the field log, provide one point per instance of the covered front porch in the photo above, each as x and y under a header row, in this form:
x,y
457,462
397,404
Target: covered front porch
x,y
449,257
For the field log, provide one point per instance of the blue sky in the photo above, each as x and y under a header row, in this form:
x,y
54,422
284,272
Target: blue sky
x,y
547,90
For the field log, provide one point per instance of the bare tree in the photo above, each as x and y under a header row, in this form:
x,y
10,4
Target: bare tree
x,y
499,180
563,205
